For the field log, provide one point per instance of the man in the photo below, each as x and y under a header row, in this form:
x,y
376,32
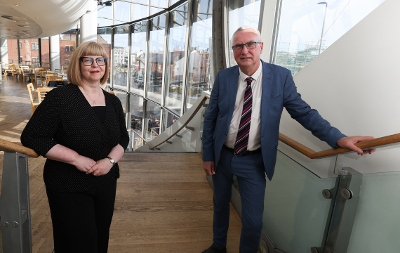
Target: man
x,y
241,130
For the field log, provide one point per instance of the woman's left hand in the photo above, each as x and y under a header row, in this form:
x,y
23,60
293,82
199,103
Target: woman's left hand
x,y
101,167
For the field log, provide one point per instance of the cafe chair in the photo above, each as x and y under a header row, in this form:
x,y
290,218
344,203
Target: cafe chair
x,y
32,96
43,73
37,75
26,73
48,75
42,93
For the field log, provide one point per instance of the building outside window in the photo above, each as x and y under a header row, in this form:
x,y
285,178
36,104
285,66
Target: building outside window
x,y
69,48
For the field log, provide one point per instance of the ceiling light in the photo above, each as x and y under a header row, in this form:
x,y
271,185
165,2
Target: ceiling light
x,y
16,4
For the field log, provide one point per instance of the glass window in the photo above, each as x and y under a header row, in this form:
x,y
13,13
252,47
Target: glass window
x,y
12,48
104,39
45,52
20,44
308,27
176,58
139,11
136,124
104,15
156,55
169,119
200,57
121,12
120,56
158,3
67,47
138,56
242,13
152,124
30,54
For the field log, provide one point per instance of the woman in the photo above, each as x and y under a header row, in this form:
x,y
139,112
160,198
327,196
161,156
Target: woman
x,y
81,131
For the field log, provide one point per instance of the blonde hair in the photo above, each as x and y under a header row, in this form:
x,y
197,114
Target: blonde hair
x,y
84,49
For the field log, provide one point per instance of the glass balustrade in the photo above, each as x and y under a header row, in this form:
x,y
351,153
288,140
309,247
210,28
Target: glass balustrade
x,y
295,211
377,225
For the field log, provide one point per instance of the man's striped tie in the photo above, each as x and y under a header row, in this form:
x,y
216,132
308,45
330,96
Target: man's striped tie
x,y
242,138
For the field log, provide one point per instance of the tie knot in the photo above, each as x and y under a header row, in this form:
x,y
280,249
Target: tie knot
x,y
249,80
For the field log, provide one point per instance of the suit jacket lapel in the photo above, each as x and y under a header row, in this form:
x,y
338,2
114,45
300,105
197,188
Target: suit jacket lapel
x,y
233,80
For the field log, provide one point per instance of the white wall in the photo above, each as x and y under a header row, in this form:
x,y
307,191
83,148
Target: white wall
x,y
354,85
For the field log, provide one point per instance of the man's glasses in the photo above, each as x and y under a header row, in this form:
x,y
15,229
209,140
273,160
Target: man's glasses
x,y
249,45
88,61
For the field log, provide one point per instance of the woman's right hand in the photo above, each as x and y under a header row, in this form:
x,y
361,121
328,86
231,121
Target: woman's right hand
x,y
84,164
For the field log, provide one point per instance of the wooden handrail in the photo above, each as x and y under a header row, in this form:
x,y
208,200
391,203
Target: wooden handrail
x,y
386,140
17,147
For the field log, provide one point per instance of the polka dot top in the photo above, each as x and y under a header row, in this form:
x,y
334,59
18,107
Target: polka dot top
x,y
65,117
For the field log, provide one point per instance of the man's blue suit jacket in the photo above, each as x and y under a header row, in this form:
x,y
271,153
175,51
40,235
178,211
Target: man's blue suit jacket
x,y
278,91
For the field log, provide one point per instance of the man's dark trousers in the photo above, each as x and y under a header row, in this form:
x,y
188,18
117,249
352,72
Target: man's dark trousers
x,y
250,174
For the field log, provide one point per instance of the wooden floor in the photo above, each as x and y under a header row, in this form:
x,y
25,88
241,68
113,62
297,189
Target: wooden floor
x,y
164,202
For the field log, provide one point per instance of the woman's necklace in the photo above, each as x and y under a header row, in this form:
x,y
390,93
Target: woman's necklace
x,y
94,101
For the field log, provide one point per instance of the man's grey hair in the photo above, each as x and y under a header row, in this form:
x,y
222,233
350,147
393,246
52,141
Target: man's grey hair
x,y
245,27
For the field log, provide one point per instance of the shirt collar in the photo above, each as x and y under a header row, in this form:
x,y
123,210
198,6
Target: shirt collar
x,y
255,76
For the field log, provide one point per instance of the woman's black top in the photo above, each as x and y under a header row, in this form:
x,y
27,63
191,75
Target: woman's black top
x,y
100,112
65,117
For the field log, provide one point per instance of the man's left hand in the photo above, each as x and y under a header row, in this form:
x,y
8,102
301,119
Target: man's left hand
x,y
348,142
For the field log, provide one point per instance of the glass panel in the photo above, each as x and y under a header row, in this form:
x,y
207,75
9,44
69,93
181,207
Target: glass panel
x,y
295,212
104,15
156,55
29,51
376,226
152,121
121,12
169,119
104,39
120,57
242,13
122,98
200,58
138,56
159,3
67,47
176,59
135,141
139,11
304,22
12,48
136,114
45,52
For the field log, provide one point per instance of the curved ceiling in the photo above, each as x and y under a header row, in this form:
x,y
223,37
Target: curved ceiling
x,y
25,19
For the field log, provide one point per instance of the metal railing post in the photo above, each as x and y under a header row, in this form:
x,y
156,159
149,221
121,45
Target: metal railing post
x,y
15,204
343,211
